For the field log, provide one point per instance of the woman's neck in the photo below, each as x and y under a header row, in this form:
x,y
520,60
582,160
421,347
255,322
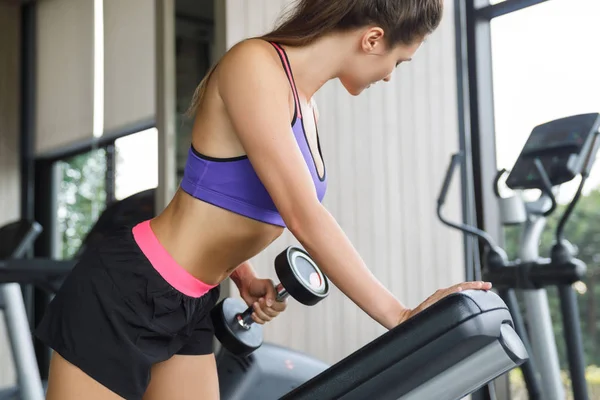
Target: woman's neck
x,y
316,64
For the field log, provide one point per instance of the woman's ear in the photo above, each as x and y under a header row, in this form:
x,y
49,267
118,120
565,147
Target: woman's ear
x,y
372,40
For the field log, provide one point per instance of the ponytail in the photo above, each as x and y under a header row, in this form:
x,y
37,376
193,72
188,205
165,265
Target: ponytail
x,y
308,20
311,19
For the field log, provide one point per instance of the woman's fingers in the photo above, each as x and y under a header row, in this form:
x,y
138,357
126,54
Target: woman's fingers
x,y
264,313
459,287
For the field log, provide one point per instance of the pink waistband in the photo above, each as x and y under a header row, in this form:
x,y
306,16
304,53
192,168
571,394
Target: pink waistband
x,y
165,265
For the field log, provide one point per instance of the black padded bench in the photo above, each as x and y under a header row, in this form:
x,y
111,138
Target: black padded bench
x,y
444,353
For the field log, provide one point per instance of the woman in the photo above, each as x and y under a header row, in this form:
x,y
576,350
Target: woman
x,y
131,321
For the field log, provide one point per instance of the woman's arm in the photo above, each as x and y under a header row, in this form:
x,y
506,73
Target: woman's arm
x,y
243,273
256,94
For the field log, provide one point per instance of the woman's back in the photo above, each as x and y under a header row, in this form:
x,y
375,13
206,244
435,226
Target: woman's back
x,y
225,232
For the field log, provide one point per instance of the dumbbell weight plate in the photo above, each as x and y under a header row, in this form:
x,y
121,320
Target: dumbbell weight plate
x,y
230,333
301,277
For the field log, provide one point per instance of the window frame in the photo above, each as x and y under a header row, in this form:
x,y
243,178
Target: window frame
x,y
476,111
45,194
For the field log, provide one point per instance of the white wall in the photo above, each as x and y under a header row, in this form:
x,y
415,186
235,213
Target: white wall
x,y
385,165
10,25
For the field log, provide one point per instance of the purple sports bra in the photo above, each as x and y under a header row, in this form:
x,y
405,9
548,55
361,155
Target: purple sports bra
x,y
232,183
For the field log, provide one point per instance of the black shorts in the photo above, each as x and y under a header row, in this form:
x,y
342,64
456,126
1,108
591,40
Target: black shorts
x,y
115,316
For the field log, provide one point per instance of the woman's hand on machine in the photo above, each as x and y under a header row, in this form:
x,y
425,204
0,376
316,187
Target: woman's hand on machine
x,y
440,294
260,294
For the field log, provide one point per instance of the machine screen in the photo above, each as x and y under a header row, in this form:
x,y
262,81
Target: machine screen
x,y
561,146
557,138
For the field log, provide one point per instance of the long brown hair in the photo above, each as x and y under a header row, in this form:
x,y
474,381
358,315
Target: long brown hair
x,y
403,21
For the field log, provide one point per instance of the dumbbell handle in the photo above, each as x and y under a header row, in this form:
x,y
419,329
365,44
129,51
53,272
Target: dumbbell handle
x,y
245,319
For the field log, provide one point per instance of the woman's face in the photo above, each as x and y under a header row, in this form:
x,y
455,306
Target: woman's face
x,y
374,61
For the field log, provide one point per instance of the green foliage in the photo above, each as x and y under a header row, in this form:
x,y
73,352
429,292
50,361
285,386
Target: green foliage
x,y
81,198
583,231
518,390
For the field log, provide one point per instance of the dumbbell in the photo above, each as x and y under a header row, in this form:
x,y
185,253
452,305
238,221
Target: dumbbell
x,y
299,277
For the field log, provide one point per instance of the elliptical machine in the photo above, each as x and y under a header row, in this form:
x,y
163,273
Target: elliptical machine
x,y
555,153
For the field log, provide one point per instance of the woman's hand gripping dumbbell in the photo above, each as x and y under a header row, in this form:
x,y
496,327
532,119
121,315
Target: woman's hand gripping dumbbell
x,y
299,277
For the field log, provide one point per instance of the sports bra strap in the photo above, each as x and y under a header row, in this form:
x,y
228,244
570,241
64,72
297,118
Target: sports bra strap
x,y
288,71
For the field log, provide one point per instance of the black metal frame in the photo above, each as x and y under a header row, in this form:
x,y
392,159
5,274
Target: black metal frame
x,y
111,167
476,119
27,120
476,103
469,144
106,140
476,107
44,214
506,7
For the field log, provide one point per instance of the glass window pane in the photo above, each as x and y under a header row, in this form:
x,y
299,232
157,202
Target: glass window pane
x,y
81,198
545,67
136,163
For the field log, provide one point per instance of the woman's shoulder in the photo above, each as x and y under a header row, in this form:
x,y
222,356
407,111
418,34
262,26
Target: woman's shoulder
x,y
251,50
252,58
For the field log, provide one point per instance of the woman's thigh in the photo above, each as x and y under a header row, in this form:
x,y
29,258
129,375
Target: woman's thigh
x,y
184,377
68,382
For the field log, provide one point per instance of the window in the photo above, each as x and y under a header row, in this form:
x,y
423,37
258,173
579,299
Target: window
x,y
136,163
544,67
87,181
81,198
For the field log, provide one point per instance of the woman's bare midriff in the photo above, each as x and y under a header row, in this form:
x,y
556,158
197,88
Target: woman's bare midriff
x,y
208,241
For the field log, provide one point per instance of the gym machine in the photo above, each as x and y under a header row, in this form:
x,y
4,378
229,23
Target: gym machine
x,y
16,239
446,352
555,153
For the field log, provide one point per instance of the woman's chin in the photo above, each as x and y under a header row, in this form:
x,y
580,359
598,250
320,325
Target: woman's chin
x,y
355,91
